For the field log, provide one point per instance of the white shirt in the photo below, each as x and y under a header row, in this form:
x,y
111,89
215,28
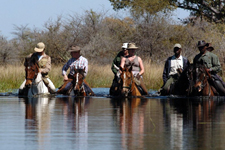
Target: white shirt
x,y
175,64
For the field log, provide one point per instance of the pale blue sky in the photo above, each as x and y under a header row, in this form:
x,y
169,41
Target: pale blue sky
x,y
35,13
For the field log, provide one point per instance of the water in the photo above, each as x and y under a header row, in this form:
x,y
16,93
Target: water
x,y
101,122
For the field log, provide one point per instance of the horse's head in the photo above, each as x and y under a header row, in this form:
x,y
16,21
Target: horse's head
x,y
78,79
200,77
127,80
31,70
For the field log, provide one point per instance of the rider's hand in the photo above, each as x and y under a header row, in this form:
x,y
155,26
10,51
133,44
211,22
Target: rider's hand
x,y
65,78
209,70
138,76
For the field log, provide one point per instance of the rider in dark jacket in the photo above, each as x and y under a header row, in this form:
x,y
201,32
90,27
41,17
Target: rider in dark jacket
x,y
173,66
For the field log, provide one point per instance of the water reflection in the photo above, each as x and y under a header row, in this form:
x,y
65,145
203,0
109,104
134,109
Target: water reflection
x,y
107,123
130,117
193,121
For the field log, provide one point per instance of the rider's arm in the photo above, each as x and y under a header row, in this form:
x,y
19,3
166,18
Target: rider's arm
x,y
47,66
216,67
122,62
142,70
86,67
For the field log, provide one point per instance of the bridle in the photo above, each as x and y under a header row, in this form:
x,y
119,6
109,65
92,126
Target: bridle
x,y
129,86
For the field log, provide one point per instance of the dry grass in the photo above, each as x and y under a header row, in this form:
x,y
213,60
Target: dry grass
x,y
98,76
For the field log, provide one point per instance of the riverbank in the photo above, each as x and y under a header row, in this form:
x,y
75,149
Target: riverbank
x,y
11,77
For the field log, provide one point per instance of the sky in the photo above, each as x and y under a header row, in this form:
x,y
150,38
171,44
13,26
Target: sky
x,y
34,13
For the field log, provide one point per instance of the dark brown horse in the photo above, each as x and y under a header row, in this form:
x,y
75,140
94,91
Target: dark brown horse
x,y
129,87
201,86
77,84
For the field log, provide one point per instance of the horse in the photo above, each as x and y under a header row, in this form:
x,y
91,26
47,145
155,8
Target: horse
x,y
182,85
128,86
76,85
34,85
201,78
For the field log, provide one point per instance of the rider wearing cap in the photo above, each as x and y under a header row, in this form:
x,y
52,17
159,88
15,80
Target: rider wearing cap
x,y
212,63
115,67
44,63
174,65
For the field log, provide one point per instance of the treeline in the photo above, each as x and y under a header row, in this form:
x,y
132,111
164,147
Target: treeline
x,y
101,37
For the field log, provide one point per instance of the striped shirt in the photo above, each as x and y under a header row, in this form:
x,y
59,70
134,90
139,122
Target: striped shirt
x,y
79,63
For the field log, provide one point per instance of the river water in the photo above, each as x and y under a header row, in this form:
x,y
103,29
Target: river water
x,y
104,123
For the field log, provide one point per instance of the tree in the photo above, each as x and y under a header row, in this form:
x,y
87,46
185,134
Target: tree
x,y
212,10
143,8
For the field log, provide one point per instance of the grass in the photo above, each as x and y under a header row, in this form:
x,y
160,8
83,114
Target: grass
x,y
11,77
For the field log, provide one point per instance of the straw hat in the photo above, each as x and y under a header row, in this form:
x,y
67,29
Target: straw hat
x,y
132,46
39,47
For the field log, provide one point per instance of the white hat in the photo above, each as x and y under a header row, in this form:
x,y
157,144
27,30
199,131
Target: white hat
x,y
39,47
125,45
177,45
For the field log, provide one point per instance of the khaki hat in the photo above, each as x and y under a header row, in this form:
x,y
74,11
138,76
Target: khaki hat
x,y
132,46
125,45
177,45
74,49
39,47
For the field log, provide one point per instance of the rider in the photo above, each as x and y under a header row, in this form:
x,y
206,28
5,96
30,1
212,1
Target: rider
x,y
174,65
137,67
44,63
79,62
115,67
212,63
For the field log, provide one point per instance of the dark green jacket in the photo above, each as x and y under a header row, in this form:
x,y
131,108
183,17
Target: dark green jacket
x,y
116,61
210,60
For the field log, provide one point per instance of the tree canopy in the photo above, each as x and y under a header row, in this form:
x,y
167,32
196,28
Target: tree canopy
x,y
211,10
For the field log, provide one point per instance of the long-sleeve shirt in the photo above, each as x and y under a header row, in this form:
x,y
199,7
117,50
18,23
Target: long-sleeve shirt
x,y
210,60
79,63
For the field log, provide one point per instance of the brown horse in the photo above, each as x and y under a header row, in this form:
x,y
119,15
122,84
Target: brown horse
x,y
77,84
201,85
129,87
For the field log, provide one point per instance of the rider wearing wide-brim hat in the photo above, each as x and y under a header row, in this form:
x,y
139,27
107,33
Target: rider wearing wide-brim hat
x,y
137,66
76,62
212,63
44,63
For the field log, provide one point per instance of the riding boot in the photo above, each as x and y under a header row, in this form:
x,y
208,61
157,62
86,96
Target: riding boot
x,y
143,87
219,87
88,89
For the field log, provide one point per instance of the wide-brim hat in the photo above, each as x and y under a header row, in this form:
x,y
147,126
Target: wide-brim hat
x,y
132,46
74,49
39,47
202,43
